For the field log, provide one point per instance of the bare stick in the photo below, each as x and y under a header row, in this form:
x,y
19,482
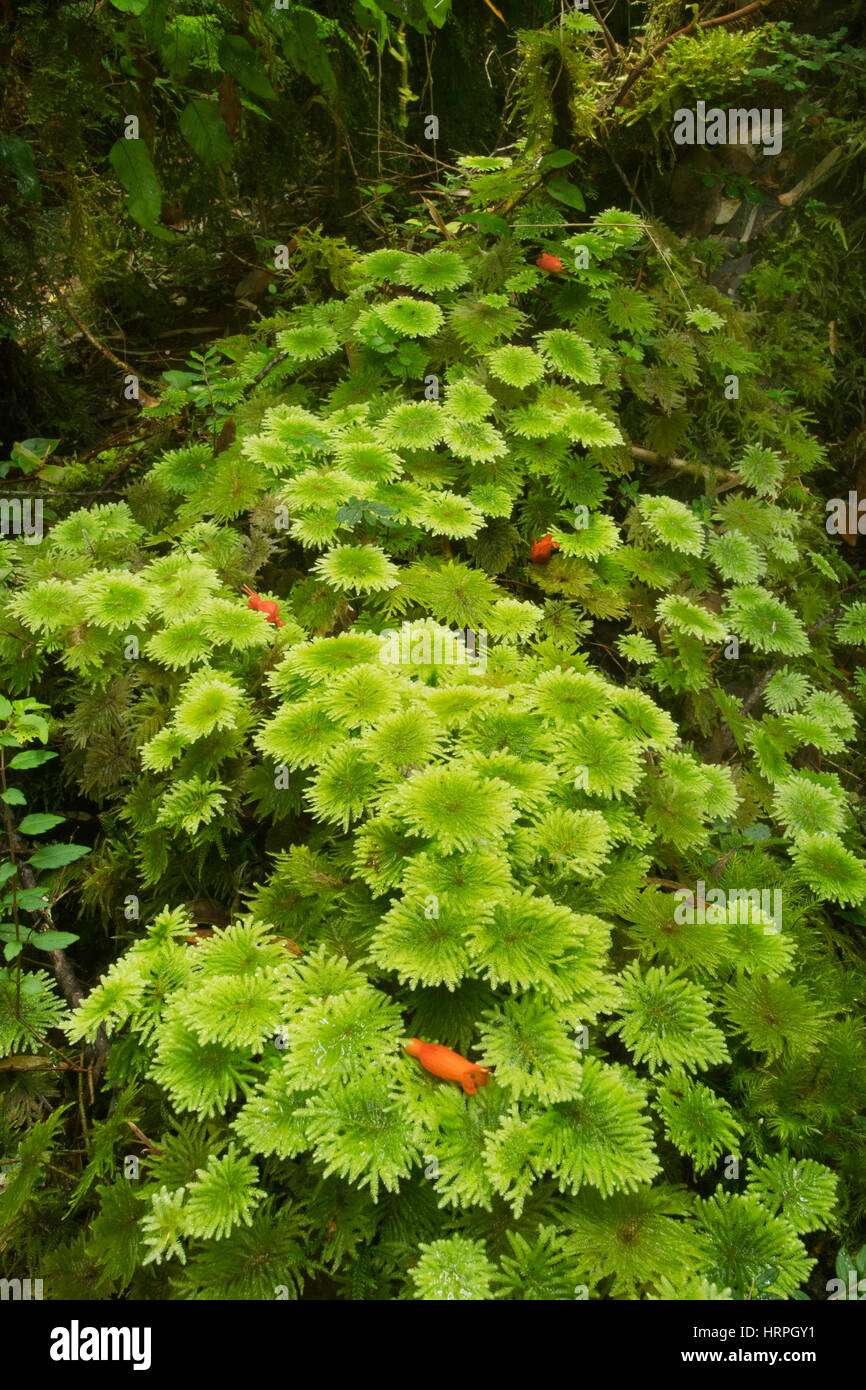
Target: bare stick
x,y
100,347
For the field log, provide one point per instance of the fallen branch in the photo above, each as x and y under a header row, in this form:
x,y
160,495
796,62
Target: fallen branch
x,y
274,362
610,42
812,179
154,1148
100,347
698,469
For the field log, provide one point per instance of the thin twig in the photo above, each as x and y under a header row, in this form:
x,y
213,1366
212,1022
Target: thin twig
x,y
625,180
610,42
664,255
100,347
699,469
274,362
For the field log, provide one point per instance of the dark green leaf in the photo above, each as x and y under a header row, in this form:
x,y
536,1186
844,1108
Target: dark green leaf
x,y
204,130
38,822
33,757
32,899
242,62
305,51
53,856
132,164
487,222
52,940
17,155
153,18
563,191
557,159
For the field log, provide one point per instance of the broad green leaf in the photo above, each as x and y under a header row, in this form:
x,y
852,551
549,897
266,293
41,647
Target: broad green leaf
x,y
33,721
12,949
180,380
153,20
242,62
487,222
53,473
5,707
7,871
131,162
32,452
844,1264
557,159
130,6
13,797
565,192
52,940
34,757
379,17
16,154
437,11
36,823
203,128
306,53
53,856
32,899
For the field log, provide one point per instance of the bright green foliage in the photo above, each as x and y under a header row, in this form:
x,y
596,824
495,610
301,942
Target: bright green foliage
x,y
456,795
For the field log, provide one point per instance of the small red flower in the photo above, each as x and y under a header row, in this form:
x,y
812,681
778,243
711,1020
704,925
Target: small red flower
x,y
541,550
267,606
550,263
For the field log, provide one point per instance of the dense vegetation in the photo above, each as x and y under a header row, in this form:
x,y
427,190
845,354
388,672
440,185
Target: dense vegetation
x,y
399,657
